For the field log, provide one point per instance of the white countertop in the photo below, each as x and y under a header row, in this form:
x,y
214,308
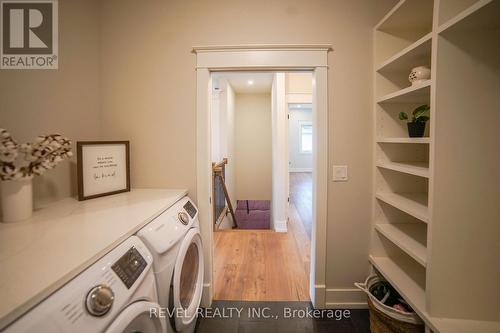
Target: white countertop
x,y
39,255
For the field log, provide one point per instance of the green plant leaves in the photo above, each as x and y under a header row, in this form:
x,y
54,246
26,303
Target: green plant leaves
x,y
422,119
419,113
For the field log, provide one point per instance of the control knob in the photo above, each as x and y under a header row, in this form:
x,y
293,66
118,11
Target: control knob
x,y
99,300
184,218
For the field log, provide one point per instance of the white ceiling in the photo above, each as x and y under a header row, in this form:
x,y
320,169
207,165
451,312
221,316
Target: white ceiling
x,y
262,82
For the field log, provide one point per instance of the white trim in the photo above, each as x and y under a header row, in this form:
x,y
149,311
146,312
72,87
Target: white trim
x,y
268,58
280,226
260,47
318,292
207,296
279,124
345,298
204,177
320,185
300,170
347,305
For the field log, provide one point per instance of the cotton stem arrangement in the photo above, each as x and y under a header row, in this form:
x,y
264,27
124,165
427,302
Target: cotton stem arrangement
x,y
43,154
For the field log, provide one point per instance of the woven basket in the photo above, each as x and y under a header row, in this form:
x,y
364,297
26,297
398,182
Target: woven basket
x,y
382,323
384,319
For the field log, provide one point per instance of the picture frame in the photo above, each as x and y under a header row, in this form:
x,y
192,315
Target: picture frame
x,y
103,168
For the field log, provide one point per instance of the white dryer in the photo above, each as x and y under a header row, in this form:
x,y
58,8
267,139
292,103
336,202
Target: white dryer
x,y
114,295
175,242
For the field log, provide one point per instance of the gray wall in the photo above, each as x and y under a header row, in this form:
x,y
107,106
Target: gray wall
x,y
253,146
66,101
149,94
133,62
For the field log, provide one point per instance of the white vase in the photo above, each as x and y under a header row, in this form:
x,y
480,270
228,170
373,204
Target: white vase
x,y
17,200
419,75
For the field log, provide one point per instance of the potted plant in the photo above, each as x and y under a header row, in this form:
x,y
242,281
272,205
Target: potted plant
x,y
416,127
16,180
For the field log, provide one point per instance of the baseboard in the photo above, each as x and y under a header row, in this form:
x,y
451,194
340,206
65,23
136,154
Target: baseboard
x,y
317,293
206,296
280,226
349,305
300,170
348,298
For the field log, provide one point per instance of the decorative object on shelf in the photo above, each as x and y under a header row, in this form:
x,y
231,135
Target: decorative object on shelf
x,y
103,168
16,188
416,127
419,75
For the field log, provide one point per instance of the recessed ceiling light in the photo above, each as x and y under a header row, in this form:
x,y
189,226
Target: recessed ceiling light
x,y
250,82
299,106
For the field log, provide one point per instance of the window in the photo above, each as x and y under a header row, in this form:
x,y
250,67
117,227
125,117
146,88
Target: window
x,y
306,141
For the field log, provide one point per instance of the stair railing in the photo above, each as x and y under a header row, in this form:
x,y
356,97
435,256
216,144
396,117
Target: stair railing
x,y
220,194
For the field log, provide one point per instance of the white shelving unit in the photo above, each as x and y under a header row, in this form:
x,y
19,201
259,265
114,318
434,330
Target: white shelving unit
x,y
420,169
410,95
410,237
416,52
430,196
413,204
403,280
463,13
403,140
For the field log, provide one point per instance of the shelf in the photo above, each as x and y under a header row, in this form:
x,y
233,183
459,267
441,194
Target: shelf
x,y
409,237
448,325
404,140
484,14
408,16
411,291
414,294
417,54
414,94
420,169
414,204
448,9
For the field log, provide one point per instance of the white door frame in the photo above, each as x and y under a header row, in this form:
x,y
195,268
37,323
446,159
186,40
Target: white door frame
x,y
264,58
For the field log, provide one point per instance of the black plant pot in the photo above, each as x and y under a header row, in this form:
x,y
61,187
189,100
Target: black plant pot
x,y
416,130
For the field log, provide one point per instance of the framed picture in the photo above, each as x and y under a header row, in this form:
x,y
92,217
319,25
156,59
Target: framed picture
x,y
103,168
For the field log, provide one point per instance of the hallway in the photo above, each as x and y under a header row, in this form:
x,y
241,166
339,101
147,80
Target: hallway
x,y
301,197
263,265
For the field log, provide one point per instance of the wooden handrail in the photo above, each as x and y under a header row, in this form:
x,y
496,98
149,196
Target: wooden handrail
x,y
229,204
218,171
219,164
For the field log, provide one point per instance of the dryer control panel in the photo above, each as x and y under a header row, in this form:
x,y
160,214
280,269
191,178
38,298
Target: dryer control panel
x,y
190,209
129,267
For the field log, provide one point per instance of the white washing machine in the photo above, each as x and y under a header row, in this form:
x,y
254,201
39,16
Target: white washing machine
x,y
174,240
114,295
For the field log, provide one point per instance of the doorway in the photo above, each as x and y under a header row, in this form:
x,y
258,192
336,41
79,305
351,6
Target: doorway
x,y
259,255
264,58
300,132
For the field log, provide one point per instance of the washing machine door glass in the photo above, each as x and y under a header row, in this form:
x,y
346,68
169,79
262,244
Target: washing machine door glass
x,y
188,279
137,318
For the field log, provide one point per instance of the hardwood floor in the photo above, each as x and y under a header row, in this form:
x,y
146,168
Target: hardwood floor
x,y
301,197
262,265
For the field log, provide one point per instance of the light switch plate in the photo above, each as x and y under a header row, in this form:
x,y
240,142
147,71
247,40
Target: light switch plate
x,y
340,173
